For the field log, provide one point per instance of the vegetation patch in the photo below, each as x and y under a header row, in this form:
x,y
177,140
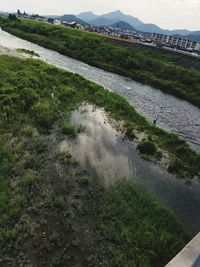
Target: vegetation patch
x,y
173,73
26,100
52,213
66,158
84,180
147,147
130,225
71,130
28,52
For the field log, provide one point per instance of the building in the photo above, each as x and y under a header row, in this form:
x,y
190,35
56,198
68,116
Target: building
x,y
177,42
56,22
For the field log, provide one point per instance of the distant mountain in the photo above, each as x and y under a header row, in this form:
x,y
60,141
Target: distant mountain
x,y
70,18
51,16
117,16
191,35
181,32
195,36
101,21
87,16
3,13
122,25
114,17
149,28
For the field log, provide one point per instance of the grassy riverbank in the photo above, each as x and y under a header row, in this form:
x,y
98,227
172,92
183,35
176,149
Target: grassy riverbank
x,y
183,161
28,52
51,211
164,70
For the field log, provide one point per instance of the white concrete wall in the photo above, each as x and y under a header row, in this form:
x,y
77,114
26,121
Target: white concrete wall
x,y
189,256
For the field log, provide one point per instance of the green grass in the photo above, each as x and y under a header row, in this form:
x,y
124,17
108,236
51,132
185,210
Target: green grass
x,y
84,180
132,226
66,158
164,70
70,130
28,52
52,213
147,147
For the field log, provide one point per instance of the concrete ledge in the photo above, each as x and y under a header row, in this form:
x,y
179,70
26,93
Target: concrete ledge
x,y
189,256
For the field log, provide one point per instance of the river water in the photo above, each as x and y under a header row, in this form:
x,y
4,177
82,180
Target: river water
x,y
173,114
104,153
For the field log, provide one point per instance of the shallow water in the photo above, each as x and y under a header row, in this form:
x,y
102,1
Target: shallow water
x,y
174,114
106,155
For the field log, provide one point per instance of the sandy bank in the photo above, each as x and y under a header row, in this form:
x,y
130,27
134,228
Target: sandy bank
x,y
10,52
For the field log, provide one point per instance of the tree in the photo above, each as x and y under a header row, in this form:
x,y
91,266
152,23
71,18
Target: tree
x,y
12,17
19,13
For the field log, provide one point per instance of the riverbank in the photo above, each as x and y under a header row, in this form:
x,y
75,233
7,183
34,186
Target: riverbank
x,y
52,210
9,52
139,65
184,164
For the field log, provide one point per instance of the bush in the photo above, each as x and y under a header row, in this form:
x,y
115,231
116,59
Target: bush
x,y
29,180
84,180
44,115
129,133
66,158
5,159
68,129
29,131
147,147
177,167
59,202
71,130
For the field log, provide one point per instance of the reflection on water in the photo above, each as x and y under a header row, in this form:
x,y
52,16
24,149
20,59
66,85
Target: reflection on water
x,y
173,114
102,151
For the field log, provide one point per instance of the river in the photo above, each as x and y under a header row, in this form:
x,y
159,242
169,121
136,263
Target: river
x,y
173,114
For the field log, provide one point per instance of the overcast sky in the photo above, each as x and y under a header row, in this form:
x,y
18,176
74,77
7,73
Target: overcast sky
x,y
171,14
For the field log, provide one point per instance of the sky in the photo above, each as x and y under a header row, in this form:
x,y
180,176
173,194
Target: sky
x,y
168,14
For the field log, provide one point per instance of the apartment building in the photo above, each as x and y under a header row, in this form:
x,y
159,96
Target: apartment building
x,y
176,41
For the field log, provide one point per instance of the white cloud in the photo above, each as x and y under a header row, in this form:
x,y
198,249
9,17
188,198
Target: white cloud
x,y
165,13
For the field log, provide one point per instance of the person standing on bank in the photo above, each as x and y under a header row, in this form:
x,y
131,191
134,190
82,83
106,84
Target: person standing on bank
x,y
155,121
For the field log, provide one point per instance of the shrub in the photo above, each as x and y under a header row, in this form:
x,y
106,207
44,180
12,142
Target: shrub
x,y
66,158
177,167
84,180
147,147
68,129
5,159
44,115
29,131
59,202
39,145
71,130
28,180
129,133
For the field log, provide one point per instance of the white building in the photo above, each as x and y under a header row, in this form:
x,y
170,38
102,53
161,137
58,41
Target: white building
x,y
176,41
57,22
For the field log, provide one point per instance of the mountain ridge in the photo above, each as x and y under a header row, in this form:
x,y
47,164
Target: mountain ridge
x,y
122,25
118,16
87,16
